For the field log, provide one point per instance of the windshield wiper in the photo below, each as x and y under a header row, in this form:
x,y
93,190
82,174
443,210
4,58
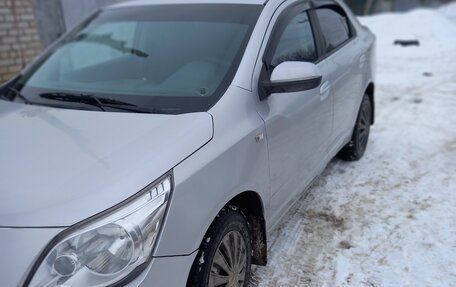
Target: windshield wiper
x,y
18,95
93,100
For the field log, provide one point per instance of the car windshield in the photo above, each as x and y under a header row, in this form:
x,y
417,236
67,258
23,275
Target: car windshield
x,y
167,58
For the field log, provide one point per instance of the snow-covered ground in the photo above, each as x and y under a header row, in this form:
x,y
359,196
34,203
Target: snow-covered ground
x,y
389,219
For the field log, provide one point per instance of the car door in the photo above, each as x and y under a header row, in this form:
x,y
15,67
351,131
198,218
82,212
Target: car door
x,y
341,63
298,124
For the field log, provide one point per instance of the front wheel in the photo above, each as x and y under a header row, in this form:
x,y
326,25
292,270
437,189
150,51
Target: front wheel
x,y
224,257
355,149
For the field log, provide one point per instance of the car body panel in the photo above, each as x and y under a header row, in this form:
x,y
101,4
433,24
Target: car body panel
x,y
165,271
231,163
75,164
345,90
20,247
352,67
298,127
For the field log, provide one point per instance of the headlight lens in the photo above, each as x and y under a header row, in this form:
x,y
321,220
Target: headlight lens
x,y
106,250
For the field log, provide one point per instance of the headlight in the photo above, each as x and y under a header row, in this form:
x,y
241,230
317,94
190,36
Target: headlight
x,y
107,249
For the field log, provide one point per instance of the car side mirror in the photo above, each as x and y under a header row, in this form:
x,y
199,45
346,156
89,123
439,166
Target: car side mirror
x,y
290,77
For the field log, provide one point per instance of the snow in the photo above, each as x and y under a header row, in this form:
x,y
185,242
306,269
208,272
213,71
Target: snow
x,y
449,11
201,260
389,219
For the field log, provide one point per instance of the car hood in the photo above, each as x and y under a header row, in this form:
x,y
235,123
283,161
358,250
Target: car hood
x,y
59,166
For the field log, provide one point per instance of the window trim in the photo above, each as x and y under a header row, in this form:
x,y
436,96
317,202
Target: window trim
x,y
279,26
314,18
281,33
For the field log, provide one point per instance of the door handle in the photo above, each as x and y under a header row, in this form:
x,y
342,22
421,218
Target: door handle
x,y
324,91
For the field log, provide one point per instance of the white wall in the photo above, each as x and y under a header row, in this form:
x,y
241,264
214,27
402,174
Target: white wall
x,y
55,17
76,11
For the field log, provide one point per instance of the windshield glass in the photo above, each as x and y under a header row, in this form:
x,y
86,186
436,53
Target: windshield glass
x,y
171,58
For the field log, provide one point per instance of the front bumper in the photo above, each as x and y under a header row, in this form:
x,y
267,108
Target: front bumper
x,y
19,248
166,271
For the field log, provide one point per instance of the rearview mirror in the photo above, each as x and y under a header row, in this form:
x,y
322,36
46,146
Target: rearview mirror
x,y
290,77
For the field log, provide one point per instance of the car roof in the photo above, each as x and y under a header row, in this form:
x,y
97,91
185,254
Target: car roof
x,y
162,2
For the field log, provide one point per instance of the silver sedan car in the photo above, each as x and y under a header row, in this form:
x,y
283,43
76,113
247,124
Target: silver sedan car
x,y
159,142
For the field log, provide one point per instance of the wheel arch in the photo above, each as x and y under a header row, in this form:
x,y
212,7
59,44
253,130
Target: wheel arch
x,y
251,205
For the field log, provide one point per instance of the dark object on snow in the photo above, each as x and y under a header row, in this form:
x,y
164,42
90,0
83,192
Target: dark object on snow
x,y
406,43
427,74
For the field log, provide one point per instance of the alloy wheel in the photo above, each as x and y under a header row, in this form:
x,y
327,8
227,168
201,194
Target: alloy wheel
x,y
364,127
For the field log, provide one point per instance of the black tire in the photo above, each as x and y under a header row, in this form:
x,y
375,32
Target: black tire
x,y
230,226
356,148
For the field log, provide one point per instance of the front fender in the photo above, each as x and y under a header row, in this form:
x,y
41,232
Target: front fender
x,y
232,162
